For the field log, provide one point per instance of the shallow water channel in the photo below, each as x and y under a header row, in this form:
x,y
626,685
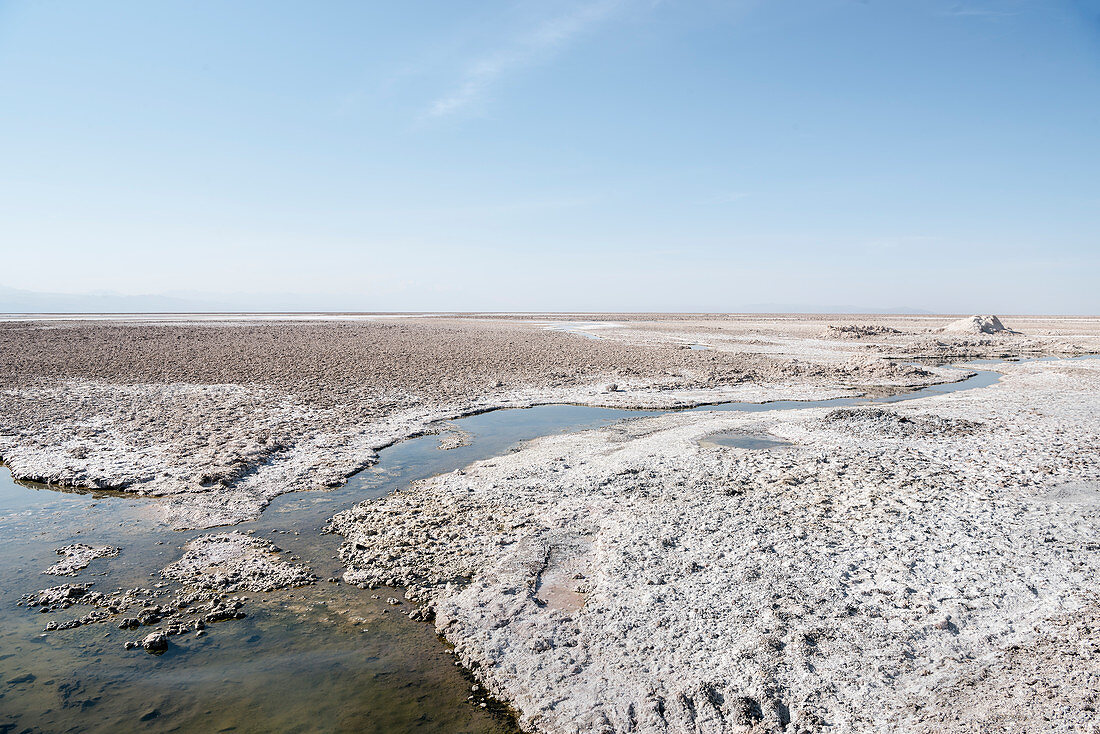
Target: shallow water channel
x,y
322,658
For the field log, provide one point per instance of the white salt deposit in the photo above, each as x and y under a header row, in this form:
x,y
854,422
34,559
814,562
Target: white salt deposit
x,y
978,325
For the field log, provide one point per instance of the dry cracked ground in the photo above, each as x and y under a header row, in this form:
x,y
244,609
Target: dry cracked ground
x,y
919,566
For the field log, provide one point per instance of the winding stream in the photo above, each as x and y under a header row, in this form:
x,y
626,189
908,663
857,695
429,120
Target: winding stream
x,y
321,658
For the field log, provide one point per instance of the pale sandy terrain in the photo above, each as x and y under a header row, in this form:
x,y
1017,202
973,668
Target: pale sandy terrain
x,y
922,566
928,566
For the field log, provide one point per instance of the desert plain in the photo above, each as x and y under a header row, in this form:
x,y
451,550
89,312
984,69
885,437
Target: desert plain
x,y
826,561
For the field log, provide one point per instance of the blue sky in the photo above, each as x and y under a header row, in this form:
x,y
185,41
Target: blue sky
x,y
589,154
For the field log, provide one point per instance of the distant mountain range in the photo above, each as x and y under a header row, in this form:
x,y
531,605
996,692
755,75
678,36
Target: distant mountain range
x,y
804,308
15,301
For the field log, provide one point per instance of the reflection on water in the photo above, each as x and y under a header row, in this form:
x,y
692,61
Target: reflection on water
x,y
295,664
978,378
743,441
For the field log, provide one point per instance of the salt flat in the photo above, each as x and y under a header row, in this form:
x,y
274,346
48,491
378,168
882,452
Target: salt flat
x,y
926,565
883,568
217,417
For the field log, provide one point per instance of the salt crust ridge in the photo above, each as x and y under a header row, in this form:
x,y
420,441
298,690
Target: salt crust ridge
x,y
864,580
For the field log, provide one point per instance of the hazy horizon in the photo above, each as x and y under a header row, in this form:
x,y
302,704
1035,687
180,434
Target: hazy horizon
x,y
580,155
16,302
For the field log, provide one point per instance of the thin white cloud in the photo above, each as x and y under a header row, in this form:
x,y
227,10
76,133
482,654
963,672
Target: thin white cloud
x,y
727,197
527,48
977,11
906,243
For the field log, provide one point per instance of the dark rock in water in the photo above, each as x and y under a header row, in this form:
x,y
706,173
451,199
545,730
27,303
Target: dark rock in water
x,y
57,597
149,615
150,715
155,642
73,695
422,614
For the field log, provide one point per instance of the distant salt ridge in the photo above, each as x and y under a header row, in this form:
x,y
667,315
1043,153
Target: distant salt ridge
x,y
978,325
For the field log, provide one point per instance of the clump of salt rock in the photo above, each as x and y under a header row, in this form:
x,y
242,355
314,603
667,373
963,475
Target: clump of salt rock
x,y
77,556
978,325
858,331
234,561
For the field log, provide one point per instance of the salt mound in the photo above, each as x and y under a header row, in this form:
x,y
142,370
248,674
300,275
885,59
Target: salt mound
x,y
978,325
